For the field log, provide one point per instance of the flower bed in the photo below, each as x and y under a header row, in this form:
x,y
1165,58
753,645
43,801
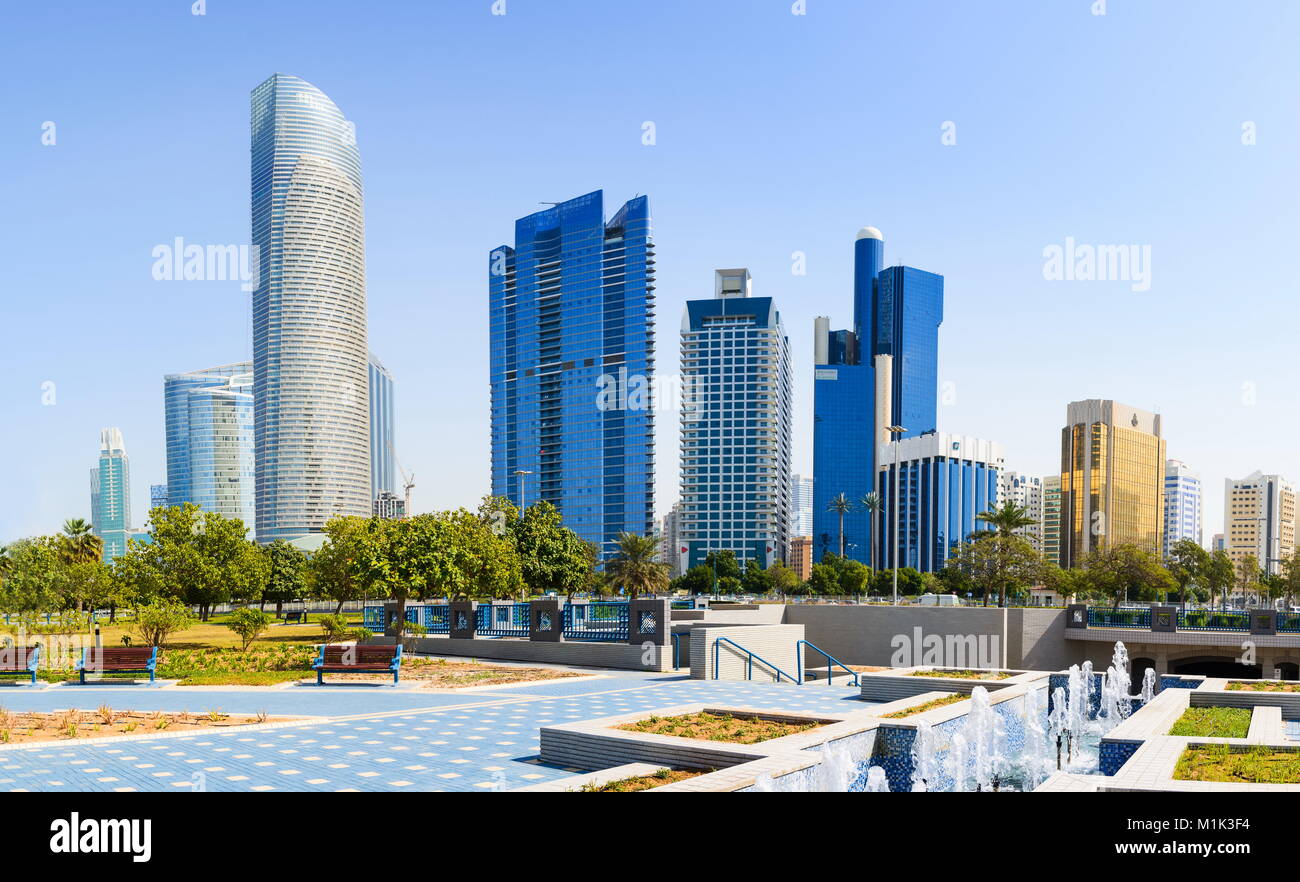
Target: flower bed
x,y
1213,722
1255,765
961,674
925,706
705,726
643,782
1264,685
22,728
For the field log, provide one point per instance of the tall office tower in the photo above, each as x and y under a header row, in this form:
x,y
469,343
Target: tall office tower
x,y
383,453
1259,519
571,314
943,482
310,364
881,373
670,541
801,548
1218,543
1026,492
1182,505
1052,519
1112,479
209,419
110,494
735,463
801,506
157,496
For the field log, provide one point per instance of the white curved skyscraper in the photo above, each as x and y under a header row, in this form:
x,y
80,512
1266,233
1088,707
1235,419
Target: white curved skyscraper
x,y
310,363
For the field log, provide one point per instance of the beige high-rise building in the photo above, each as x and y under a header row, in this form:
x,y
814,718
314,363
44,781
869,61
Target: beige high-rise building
x,y
1259,519
801,552
1112,479
1052,519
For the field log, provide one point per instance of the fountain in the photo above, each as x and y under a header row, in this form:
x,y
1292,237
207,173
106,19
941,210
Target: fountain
x,y
1148,685
877,781
836,770
925,766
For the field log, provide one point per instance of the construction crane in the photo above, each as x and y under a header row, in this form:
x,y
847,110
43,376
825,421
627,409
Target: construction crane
x,y
408,478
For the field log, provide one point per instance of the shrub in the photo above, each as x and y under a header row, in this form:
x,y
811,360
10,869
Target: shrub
x,y
335,627
249,624
157,621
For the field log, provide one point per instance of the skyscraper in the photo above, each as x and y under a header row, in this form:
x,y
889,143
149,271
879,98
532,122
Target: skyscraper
x,y
571,315
735,463
310,364
110,494
157,496
1026,492
943,482
883,372
670,542
1182,505
209,420
1259,519
1112,479
1052,519
383,453
801,506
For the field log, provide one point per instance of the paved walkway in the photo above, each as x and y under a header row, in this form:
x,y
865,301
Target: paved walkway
x,y
359,738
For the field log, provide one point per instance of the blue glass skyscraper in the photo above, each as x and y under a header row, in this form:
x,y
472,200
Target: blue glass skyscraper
x,y
110,494
383,454
882,372
210,451
571,315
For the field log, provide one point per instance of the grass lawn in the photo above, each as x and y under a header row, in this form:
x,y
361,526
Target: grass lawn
x,y
925,706
1256,765
706,726
1213,722
213,634
963,674
643,782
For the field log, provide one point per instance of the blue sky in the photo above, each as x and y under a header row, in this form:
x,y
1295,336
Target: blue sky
x,y
776,133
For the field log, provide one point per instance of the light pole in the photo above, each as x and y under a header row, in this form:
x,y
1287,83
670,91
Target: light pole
x,y
519,473
893,432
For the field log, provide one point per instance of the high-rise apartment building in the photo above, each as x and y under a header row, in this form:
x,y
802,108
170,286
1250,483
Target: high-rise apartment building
x,y
881,373
801,506
736,427
383,453
1026,492
1182,505
801,551
310,362
1259,519
1052,519
571,330
670,542
389,506
1112,479
943,482
110,494
210,445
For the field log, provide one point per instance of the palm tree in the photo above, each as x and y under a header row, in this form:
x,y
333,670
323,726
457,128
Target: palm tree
x,y
842,505
79,542
1005,520
874,506
634,566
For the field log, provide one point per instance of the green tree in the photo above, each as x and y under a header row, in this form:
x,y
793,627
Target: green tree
x,y
841,505
332,570
1127,572
782,579
249,624
697,580
1187,564
36,575
157,620
1247,576
553,558
755,580
286,574
79,544
854,576
722,565
874,505
825,579
1291,577
1002,563
634,565
1219,574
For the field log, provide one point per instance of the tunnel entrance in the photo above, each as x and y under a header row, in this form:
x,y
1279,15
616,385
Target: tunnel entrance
x,y
1138,668
1216,666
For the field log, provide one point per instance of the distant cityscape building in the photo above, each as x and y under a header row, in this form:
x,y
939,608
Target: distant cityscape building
x,y
801,551
571,338
110,494
736,425
1259,519
310,363
208,416
943,482
1052,519
801,506
1182,505
882,372
670,542
157,496
1026,492
383,452
1218,543
1112,479
389,506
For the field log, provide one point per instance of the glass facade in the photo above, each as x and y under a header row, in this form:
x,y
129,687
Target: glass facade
x,y
571,317
1182,505
209,421
735,462
383,453
310,362
908,315
110,494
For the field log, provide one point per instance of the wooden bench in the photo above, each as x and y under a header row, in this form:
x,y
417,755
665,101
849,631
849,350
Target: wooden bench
x,y
357,659
298,617
121,660
20,660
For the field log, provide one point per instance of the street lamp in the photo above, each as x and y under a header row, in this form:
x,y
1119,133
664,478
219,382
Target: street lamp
x,y
519,473
893,432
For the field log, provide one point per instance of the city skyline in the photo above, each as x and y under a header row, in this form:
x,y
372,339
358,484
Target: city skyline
x,y
1038,382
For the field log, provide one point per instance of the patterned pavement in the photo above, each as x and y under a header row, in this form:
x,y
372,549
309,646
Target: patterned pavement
x,y
359,738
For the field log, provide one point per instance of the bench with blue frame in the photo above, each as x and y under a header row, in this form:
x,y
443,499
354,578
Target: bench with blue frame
x,y
20,660
119,660
357,659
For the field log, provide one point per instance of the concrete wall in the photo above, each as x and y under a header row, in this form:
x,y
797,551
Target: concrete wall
x,y
775,643
597,655
1036,640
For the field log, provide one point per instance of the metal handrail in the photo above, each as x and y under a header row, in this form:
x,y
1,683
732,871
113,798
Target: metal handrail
x,y
750,656
830,659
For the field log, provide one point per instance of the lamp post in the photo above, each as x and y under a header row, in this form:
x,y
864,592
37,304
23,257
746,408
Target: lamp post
x,y
894,431
519,473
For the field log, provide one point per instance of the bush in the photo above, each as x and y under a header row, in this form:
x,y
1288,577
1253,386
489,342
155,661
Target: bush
x,y
335,628
249,624
157,621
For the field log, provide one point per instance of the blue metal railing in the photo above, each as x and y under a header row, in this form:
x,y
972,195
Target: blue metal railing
x,y
502,620
830,660
749,661
600,620
437,618
1206,620
677,650
1288,623
684,604
1119,618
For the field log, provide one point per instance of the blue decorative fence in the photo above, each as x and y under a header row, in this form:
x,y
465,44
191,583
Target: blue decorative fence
x,y
1119,618
684,604
1288,623
1204,620
502,620
602,620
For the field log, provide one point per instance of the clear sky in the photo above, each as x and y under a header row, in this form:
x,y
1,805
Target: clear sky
x,y
775,133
